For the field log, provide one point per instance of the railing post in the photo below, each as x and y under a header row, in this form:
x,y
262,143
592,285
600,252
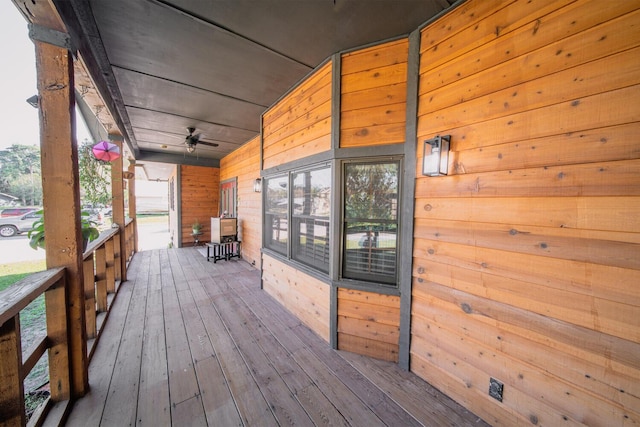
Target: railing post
x,y
12,411
117,199
111,277
90,296
101,278
55,307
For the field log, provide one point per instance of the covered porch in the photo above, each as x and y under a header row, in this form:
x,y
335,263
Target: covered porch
x,y
190,342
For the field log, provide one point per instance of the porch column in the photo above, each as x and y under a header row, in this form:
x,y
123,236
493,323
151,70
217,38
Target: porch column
x,y
61,201
117,204
132,204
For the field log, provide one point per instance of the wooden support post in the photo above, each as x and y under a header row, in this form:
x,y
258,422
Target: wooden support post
x,y
117,263
60,182
117,201
11,388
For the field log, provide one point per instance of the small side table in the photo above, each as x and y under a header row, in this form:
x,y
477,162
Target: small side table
x,y
223,251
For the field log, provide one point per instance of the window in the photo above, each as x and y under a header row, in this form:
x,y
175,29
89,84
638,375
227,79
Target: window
x,y
370,234
276,224
301,213
310,217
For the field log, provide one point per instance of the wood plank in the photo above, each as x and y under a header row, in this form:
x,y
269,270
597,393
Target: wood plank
x,y
251,403
601,110
377,56
101,279
578,403
369,330
566,362
594,247
578,82
392,94
153,406
588,146
473,54
373,135
125,378
368,347
618,350
378,77
609,283
280,398
374,116
374,313
421,399
615,214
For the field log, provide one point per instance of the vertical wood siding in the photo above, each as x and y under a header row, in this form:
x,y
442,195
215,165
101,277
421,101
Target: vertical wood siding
x,y
244,164
527,256
299,125
200,195
369,323
306,297
374,95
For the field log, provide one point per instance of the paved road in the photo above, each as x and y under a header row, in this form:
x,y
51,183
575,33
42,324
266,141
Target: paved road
x,y
17,249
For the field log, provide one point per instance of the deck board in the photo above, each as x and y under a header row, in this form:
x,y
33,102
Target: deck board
x,y
190,342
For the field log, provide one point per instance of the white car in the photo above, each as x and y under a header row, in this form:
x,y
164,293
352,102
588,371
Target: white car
x,y
12,226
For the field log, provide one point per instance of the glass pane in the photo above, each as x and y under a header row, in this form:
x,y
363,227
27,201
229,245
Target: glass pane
x,y
371,191
276,233
371,251
311,245
312,192
276,200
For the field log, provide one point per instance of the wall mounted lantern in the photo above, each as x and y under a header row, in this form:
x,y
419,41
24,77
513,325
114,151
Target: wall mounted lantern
x,y
435,161
257,185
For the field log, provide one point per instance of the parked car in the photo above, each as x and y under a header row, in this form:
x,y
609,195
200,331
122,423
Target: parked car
x,y
11,212
16,225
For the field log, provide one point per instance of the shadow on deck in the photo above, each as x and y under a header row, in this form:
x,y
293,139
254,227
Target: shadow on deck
x,y
190,342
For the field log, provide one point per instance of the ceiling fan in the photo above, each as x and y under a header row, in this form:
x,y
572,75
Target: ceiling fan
x,y
192,140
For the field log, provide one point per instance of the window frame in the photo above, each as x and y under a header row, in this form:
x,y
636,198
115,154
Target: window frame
x,y
293,219
369,280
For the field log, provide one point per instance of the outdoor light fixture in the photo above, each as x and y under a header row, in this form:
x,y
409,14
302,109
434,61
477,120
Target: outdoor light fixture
x,y
435,161
257,185
34,101
190,147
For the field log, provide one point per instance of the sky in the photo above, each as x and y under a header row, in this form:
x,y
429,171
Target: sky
x,y
19,120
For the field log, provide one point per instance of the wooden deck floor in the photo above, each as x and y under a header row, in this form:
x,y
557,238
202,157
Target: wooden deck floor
x,y
190,342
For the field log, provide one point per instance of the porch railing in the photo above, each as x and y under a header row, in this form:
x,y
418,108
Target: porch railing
x,y
102,272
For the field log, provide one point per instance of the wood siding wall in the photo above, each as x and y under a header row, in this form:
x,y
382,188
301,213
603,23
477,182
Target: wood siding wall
x,y
374,95
527,256
369,323
299,125
244,165
199,198
306,297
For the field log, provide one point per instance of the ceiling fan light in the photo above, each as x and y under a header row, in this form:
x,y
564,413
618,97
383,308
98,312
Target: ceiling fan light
x,y
191,148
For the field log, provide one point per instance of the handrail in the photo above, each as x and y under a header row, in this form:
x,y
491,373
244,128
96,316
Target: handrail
x,y
102,238
21,294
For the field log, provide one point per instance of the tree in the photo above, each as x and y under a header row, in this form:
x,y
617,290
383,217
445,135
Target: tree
x,y
95,176
20,173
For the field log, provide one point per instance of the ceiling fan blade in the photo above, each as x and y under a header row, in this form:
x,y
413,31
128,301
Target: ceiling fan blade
x,y
210,144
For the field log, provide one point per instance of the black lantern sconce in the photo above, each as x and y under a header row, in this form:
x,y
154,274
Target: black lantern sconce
x,y
435,161
257,185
